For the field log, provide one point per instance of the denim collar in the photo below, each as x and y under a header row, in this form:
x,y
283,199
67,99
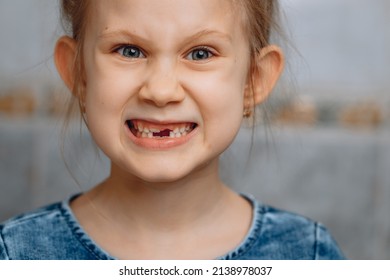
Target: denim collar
x,y
252,234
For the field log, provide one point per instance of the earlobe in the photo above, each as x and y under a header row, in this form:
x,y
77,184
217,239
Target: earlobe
x,y
64,58
266,72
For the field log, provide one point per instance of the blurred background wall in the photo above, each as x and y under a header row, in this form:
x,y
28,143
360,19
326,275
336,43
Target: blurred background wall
x,y
324,153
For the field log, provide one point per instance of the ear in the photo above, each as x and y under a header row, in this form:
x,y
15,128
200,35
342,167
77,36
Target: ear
x,y
64,58
265,72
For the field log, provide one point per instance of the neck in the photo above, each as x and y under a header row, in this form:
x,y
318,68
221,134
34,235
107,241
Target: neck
x,y
196,217
160,206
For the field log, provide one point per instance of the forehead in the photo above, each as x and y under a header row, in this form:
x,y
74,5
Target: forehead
x,y
163,16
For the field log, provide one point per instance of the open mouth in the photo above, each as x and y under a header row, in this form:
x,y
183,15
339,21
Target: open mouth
x,y
144,129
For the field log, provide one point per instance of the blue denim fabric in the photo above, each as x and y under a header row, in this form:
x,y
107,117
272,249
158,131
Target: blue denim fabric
x,y
53,232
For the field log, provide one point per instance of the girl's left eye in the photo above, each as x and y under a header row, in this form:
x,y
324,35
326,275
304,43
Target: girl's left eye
x,y
129,51
200,54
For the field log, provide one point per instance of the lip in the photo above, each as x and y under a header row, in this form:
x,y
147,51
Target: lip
x,y
162,143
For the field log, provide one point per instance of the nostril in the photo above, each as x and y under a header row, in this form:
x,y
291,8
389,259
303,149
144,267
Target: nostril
x,y
162,91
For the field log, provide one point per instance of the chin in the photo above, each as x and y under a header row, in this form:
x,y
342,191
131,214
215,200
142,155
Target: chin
x,y
163,169
165,178
159,174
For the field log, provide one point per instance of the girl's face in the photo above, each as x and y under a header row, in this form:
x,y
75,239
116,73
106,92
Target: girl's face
x,y
165,83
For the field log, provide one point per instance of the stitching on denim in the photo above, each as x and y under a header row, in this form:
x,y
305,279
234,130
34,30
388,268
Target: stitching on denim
x,y
28,216
250,240
4,245
252,235
316,238
80,235
255,233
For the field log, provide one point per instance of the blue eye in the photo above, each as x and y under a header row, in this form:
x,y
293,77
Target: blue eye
x,y
130,52
199,54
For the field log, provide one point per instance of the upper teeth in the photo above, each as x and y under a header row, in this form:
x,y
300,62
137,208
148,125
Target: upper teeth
x,y
146,132
175,130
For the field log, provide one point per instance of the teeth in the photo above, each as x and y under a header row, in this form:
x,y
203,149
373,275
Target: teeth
x,y
147,132
171,134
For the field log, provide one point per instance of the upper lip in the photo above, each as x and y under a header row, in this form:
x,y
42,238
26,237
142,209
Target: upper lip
x,y
160,122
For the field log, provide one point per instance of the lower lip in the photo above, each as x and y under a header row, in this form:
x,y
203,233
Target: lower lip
x,y
162,143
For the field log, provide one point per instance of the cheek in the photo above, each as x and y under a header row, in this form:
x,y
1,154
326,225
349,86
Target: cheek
x,y
220,97
219,92
107,86
108,90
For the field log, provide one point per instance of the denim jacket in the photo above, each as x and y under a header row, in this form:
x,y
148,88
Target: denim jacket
x,y
53,232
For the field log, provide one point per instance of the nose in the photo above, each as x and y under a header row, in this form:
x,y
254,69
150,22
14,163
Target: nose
x,y
161,86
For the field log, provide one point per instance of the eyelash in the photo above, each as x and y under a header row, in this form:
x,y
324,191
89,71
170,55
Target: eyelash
x,y
208,50
131,47
140,53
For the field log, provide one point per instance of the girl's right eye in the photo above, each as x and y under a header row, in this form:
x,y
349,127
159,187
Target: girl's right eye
x,y
129,51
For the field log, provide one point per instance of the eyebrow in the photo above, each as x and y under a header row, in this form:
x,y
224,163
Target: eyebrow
x,y
208,32
197,35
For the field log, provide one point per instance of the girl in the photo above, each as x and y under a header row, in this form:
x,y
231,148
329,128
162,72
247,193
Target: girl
x,y
163,86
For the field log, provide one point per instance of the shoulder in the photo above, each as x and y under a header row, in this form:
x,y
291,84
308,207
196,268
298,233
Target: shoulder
x,y
297,236
46,233
279,234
